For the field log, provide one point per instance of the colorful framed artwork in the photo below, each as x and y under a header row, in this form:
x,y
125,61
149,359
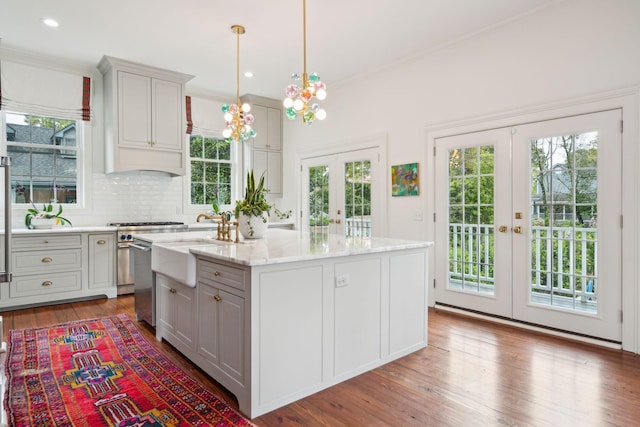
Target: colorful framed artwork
x,y
405,180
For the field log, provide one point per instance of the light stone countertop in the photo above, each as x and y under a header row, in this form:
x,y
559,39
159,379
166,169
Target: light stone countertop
x,y
64,229
282,246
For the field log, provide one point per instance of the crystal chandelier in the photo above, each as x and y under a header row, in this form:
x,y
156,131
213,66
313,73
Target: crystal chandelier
x,y
299,100
237,117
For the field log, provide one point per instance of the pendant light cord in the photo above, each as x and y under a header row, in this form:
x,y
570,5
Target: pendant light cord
x,y
238,67
305,77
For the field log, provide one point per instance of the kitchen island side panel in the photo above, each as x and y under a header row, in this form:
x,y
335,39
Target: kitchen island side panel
x,y
317,323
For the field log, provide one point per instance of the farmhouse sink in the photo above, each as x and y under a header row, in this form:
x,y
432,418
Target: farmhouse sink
x,y
174,260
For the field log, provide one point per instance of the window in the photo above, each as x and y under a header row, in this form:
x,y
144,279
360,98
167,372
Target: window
x,y
44,158
211,171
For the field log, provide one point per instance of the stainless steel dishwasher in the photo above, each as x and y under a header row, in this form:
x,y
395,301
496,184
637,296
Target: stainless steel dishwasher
x,y
144,287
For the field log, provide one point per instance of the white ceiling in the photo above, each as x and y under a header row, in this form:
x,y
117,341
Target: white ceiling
x,y
345,38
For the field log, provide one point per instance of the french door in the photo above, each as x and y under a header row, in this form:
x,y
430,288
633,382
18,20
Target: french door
x,y
529,219
342,193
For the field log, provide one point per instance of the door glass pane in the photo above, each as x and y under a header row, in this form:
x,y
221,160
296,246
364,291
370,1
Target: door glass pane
x,y
357,196
564,233
319,199
471,219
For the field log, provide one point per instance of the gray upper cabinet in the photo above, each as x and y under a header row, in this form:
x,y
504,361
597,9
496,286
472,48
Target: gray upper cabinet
x,y
266,147
145,123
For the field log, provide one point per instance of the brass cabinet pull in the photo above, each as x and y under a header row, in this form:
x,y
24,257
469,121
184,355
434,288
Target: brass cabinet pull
x,y
517,229
217,298
47,259
502,228
101,242
46,241
216,273
47,283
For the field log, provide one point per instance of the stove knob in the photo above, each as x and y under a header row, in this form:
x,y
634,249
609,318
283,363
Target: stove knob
x,y
128,236
123,237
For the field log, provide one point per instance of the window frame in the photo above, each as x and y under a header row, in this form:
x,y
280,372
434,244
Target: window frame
x,y
80,154
236,153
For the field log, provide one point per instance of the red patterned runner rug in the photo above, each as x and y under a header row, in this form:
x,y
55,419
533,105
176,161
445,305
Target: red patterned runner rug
x,y
103,372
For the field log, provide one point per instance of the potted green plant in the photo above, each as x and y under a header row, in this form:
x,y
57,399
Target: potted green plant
x,y
252,212
45,218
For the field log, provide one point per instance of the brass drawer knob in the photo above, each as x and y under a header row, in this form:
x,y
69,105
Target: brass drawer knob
x,y
101,242
216,273
217,298
47,259
47,283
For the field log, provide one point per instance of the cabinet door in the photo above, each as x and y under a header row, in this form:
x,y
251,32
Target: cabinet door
x,y
231,318
164,318
134,110
274,131
184,314
268,127
168,131
261,140
101,260
269,163
208,323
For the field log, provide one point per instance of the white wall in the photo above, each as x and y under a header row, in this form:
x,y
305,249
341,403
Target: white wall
x,y
574,48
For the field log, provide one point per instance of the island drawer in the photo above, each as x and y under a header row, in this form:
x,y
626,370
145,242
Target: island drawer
x,y
39,284
42,242
44,261
210,272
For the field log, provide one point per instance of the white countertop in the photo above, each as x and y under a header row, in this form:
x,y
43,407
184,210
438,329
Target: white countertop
x,y
96,228
64,229
281,246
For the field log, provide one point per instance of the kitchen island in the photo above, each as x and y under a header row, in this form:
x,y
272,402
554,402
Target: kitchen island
x,y
280,318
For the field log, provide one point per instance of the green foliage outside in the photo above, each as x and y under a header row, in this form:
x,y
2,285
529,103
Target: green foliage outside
x,y
210,171
563,192
357,177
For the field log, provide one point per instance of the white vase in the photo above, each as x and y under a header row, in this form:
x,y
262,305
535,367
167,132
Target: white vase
x,y
253,227
44,222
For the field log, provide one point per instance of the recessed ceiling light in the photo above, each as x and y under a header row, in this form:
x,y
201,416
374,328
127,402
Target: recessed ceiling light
x,y
50,22
248,74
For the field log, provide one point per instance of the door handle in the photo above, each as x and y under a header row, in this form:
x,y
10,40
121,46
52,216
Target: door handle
x,y
331,221
517,229
338,221
502,228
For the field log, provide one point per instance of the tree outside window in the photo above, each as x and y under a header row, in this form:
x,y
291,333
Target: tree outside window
x,y
210,160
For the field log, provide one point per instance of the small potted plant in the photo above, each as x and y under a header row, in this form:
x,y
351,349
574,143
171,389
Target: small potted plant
x,y
45,218
252,213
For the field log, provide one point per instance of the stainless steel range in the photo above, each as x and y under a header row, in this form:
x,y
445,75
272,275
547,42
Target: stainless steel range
x,y
125,230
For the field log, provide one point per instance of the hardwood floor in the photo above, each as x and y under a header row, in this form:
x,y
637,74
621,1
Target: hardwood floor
x,y
473,373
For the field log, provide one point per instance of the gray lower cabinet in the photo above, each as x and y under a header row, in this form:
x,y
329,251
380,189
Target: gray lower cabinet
x,y
221,331
59,266
101,260
208,323
175,314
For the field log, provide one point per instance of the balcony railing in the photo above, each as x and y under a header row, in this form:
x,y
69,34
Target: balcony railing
x,y
357,227
562,270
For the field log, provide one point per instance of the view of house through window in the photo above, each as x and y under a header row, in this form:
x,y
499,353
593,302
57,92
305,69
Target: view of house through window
x,y
210,170
43,153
